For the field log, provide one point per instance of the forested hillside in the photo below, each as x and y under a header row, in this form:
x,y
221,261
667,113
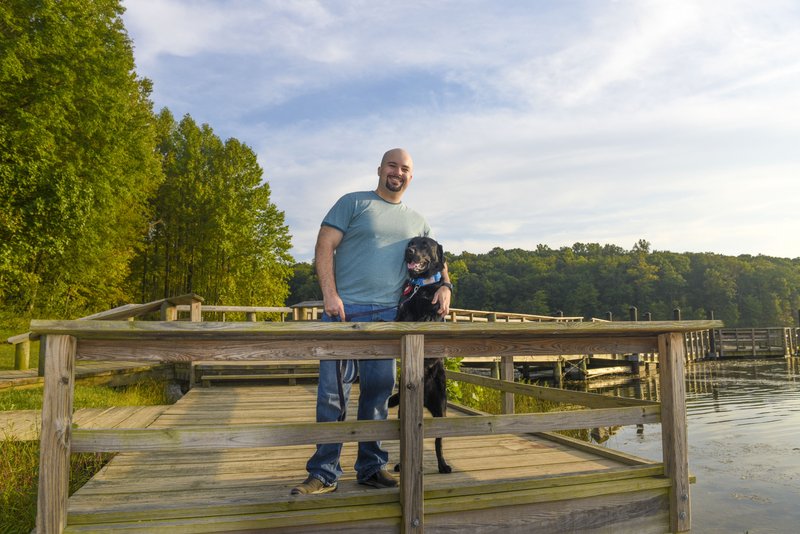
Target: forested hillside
x,y
590,280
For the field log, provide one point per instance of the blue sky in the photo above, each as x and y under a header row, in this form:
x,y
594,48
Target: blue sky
x,y
529,123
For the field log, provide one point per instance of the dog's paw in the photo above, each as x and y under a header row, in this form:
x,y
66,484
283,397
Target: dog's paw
x,y
444,469
396,468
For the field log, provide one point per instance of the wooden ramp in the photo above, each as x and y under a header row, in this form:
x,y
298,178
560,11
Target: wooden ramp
x,y
114,373
25,425
541,483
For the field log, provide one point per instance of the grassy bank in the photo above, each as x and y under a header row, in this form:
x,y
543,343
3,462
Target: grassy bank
x,y
19,460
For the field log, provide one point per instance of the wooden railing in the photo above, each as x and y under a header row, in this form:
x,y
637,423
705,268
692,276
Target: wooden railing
x,y
754,342
167,308
66,341
311,310
251,313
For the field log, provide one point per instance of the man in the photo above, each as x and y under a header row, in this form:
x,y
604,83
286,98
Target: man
x,y
360,264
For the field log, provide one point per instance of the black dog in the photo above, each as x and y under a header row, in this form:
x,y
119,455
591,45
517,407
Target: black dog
x,y
425,261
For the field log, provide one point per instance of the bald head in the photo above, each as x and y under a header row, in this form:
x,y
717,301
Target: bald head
x,y
399,154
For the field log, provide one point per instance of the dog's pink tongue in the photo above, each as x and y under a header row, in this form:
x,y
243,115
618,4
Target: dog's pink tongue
x,y
412,266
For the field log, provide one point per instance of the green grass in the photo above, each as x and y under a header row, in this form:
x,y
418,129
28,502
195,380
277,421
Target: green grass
x,y
145,393
19,461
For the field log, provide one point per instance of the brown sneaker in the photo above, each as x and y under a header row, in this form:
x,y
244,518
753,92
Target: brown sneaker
x,y
313,486
380,479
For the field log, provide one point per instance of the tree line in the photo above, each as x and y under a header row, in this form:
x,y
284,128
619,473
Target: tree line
x,y
103,201
591,280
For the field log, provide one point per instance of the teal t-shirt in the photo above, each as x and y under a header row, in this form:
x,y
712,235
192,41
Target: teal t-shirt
x,y
369,263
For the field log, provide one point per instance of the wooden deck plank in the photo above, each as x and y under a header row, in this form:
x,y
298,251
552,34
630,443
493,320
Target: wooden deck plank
x,y
246,488
24,425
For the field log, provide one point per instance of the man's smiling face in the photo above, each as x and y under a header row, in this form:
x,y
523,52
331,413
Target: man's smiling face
x,y
395,172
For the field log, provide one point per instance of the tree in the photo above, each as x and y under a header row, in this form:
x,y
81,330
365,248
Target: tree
x,y
214,230
76,155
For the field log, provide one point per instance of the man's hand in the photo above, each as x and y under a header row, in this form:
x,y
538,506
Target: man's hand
x,y
334,307
442,297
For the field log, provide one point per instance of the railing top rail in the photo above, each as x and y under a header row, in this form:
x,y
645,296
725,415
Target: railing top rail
x,y
245,309
125,311
482,313
515,314
388,330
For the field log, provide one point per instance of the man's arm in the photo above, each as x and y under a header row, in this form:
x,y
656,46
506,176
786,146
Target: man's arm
x,y
443,294
327,242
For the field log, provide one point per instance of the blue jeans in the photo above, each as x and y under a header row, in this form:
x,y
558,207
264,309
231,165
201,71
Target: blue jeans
x,y
377,378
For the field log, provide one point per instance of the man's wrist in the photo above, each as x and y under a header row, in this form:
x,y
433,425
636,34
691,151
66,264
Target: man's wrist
x,y
448,285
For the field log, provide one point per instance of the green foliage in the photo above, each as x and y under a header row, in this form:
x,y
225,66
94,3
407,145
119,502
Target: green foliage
x,y
304,284
76,155
214,230
589,280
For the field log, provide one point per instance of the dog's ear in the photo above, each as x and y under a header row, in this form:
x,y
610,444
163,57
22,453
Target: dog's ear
x,y
440,253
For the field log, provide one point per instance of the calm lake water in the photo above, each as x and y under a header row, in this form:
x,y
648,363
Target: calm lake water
x,y
744,443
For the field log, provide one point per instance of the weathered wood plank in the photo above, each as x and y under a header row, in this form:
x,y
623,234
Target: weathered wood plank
x,y
674,437
541,422
51,514
271,348
359,330
639,512
238,351
411,432
581,398
241,436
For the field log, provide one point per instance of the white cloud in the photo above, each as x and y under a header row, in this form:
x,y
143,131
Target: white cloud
x,y
676,122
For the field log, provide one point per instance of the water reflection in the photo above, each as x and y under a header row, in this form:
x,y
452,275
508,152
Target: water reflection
x,y
744,440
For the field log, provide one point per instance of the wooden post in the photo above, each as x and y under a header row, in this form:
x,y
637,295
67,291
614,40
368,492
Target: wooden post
x,y
412,348
674,441
195,311
169,311
59,381
634,313
42,354
251,316
22,355
507,373
558,374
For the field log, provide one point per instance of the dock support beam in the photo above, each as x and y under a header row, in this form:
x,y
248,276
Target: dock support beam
x,y
412,352
59,382
674,440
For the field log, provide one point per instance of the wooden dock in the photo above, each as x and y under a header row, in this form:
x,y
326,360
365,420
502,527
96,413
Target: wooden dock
x,y
595,493
24,425
109,373
248,489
